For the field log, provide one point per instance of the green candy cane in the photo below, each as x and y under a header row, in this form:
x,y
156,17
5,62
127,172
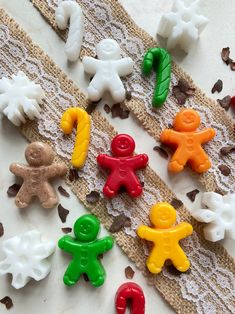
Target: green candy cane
x,y
160,60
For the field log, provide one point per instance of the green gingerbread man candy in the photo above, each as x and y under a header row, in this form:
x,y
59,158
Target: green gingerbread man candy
x,y
85,249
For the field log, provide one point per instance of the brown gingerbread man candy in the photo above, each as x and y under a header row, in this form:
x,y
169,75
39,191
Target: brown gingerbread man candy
x,y
36,175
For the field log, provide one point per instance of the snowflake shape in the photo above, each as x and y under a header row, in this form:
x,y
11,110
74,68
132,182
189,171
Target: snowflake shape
x,y
220,215
18,97
182,26
26,256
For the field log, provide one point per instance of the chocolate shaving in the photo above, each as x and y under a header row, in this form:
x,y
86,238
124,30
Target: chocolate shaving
x,y
73,175
181,97
162,152
119,222
232,65
225,53
107,109
225,170
128,95
13,190
129,272
225,102
1,230
185,87
7,301
66,230
224,151
218,86
192,194
85,277
176,203
91,106
118,110
63,192
93,197
63,213
182,91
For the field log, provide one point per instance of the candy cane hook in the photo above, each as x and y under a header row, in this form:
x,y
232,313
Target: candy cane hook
x,y
160,60
69,118
71,10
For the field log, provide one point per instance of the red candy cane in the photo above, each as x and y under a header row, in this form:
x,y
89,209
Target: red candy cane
x,y
130,291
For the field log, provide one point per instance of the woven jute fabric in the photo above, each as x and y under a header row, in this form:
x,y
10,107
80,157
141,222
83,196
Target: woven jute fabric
x,y
108,18
210,280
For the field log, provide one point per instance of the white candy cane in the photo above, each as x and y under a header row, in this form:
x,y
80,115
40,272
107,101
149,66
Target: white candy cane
x,y
71,10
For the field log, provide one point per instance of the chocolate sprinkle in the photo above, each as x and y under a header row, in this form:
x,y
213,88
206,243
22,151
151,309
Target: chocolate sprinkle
x,y
1,230
73,175
63,191
224,151
118,110
225,102
225,170
218,86
13,190
225,53
129,272
119,222
192,194
107,109
128,95
66,230
232,65
7,301
63,213
176,203
162,152
93,197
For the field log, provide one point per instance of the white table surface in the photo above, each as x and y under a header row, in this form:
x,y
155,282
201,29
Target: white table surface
x,y
50,295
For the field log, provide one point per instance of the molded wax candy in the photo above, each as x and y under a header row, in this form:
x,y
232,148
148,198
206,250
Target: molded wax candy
x,y
82,118
36,175
188,142
107,70
122,167
132,292
159,60
182,26
85,249
165,238
219,214
26,256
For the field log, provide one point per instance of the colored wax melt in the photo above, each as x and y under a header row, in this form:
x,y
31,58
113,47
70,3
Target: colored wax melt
x,y
36,175
165,238
26,256
107,70
85,249
188,142
82,118
20,97
122,166
132,292
159,60
219,215
183,25
71,10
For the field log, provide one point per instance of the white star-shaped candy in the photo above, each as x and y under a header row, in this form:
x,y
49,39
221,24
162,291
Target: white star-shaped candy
x,y
220,215
182,26
26,256
19,97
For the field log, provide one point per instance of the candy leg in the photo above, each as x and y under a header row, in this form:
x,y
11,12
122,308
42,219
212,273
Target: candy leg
x,y
178,161
156,261
72,274
96,88
180,260
111,187
97,274
23,197
117,89
133,186
200,161
47,196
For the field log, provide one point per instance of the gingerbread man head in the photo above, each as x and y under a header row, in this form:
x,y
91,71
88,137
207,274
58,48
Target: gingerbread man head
x,y
162,215
86,228
122,145
39,154
187,120
108,49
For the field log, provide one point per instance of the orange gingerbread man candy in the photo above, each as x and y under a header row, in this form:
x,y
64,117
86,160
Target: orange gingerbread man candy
x,y
188,141
165,238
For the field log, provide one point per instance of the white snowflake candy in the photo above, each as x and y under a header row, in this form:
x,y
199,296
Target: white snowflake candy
x,y
20,96
26,257
183,25
220,215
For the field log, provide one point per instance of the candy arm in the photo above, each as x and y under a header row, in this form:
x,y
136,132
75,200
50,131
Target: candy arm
x,y
90,65
125,66
67,244
58,169
170,137
183,230
106,161
139,161
18,169
147,233
103,245
206,135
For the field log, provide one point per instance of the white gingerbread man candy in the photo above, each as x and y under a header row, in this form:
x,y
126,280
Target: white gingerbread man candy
x,y
183,25
26,257
20,97
220,215
107,70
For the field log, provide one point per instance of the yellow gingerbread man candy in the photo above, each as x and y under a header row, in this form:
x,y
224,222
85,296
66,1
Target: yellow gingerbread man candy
x,y
188,142
165,238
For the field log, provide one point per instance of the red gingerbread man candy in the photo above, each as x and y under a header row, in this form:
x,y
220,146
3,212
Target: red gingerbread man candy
x,y
122,166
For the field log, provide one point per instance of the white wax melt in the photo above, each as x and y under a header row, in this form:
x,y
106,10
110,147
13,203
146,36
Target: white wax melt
x,y
26,256
183,25
107,70
19,97
220,215
71,10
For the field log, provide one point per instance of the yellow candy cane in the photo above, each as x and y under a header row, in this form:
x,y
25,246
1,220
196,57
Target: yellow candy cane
x,y
69,118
